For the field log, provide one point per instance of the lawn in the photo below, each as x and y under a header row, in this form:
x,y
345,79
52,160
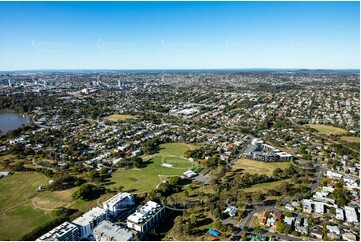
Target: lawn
x,y
351,139
51,200
21,220
168,162
173,149
264,168
146,179
17,214
265,186
19,187
117,117
327,129
255,220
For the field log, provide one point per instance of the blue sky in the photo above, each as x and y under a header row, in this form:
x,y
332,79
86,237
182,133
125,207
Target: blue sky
x,y
179,35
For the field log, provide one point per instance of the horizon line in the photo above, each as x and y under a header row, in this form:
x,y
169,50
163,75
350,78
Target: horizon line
x,y
175,69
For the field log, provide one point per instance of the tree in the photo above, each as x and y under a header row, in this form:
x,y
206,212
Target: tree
x,y
288,229
217,213
280,226
85,192
244,237
174,180
277,172
6,164
341,195
103,171
61,211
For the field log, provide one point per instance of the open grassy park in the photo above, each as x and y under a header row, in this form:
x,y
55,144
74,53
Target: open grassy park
x,y
118,117
262,168
168,162
265,186
327,129
23,209
17,214
351,139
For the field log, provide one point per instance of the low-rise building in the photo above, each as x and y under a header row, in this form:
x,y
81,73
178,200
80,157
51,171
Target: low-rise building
x,y
316,232
349,236
339,214
87,222
319,207
289,207
307,206
64,232
231,211
264,217
146,217
351,215
289,220
107,231
333,232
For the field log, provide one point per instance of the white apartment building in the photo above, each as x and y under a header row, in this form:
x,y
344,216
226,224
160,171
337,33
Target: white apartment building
x,y
107,231
64,232
118,203
89,220
146,217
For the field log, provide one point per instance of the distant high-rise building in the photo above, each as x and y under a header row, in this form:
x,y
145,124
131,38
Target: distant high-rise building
x,y
11,82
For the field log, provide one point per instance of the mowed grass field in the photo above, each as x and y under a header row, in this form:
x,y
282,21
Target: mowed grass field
x,y
23,209
117,117
327,129
51,200
265,186
147,178
262,168
173,149
351,139
17,214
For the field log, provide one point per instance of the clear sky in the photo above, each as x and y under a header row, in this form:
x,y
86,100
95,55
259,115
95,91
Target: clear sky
x,y
179,35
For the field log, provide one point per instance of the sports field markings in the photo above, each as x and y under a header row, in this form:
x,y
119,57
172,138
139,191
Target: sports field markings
x,y
181,160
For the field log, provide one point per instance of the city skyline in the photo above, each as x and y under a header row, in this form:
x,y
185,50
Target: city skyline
x,y
179,35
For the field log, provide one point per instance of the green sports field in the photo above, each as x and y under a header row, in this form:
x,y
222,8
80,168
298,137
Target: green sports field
x,y
117,117
17,214
168,162
173,149
327,129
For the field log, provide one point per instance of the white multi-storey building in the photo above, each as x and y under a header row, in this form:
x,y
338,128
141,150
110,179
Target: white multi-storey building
x,y
89,220
146,217
119,203
107,231
64,232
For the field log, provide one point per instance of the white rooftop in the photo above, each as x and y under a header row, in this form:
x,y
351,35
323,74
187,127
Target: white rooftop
x,y
58,231
117,198
89,216
111,232
144,212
